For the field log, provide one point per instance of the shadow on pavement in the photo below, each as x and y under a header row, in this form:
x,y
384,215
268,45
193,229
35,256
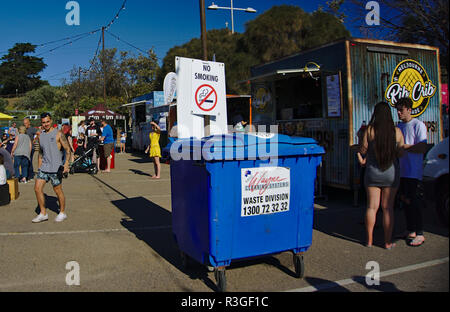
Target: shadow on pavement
x,y
51,203
328,286
384,286
324,285
135,171
343,220
151,223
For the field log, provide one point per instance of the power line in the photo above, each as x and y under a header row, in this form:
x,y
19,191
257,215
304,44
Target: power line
x,y
117,15
131,45
67,43
69,38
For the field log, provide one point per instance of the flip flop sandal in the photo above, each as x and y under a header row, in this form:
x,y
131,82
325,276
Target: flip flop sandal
x,y
415,240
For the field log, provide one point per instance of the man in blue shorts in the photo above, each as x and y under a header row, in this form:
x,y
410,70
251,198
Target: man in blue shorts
x,y
51,168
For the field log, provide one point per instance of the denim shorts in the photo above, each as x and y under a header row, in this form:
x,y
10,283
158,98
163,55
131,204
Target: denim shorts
x,y
53,177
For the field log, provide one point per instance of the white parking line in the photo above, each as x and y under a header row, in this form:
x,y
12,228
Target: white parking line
x,y
145,228
349,281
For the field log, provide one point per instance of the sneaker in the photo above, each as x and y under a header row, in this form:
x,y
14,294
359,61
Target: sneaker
x,y
40,218
60,217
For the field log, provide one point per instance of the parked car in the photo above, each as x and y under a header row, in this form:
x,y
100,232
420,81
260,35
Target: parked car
x,y
435,178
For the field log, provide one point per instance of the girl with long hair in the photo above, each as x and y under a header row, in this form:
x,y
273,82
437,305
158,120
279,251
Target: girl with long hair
x,y
382,143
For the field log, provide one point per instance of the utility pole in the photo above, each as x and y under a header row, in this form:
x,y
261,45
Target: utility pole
x,y
203,29
104,72
79,87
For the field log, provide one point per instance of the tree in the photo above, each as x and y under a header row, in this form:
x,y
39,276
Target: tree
x,y
227,48
3,104
41,99
19,71
413,21
280,31
286,29
127,76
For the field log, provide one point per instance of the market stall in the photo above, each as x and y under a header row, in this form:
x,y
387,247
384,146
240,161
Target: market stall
x,y
329,93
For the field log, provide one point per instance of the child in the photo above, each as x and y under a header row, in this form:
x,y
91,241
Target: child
x,y
155,150
81,142
123,140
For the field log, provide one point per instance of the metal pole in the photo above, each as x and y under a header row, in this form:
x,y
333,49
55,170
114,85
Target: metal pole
x,y
205,53
104,72
79,86
203,29
232,20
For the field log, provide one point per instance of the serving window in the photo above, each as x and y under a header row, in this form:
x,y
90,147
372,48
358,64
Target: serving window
x,y
299,97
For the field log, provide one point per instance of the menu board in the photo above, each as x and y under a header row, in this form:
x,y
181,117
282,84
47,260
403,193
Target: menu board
x,y
334,96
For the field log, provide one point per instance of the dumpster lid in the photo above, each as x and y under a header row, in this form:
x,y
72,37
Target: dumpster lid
x,y
249,146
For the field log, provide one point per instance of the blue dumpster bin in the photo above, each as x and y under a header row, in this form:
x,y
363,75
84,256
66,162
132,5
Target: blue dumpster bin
x,y
241,196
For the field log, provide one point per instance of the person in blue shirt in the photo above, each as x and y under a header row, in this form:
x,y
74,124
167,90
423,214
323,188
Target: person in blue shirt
x,y
108,143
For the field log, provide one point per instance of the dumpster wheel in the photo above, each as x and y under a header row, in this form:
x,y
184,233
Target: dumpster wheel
x,y
221,280
299,265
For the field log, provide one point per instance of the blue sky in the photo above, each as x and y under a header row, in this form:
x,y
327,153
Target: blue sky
x,y
157,24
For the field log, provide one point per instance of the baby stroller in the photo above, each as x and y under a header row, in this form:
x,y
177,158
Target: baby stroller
x,y
83,163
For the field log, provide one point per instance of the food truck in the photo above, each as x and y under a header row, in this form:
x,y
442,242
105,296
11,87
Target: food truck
x,y
329,93
141,114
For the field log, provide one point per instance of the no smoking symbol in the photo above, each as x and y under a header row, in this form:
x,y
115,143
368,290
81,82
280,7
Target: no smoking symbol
x,y
206,98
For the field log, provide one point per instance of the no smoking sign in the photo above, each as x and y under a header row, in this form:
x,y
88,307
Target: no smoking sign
x,y
206,98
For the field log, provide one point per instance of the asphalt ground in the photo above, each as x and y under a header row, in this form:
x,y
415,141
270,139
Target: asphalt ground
x,y
119,233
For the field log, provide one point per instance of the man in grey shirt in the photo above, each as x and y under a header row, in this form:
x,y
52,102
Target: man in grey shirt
x,y
50,162
31,132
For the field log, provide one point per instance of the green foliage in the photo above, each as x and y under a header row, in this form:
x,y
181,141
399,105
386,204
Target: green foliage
x,y
42,99
3,104
227,48
19,71
280,31
284,30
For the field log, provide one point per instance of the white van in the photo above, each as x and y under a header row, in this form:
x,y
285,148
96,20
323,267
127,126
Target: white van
x,y
435,178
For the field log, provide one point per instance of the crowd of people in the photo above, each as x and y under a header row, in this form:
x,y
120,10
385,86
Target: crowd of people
x,y
391,155
17,149
57,153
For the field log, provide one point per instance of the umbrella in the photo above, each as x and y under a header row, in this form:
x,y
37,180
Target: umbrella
x,y
5,117
101,111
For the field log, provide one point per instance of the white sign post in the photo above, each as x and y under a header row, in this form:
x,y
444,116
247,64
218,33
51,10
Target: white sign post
x,y
200,92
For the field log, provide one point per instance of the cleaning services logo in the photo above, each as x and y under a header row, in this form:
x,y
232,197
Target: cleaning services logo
x,y
411,80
